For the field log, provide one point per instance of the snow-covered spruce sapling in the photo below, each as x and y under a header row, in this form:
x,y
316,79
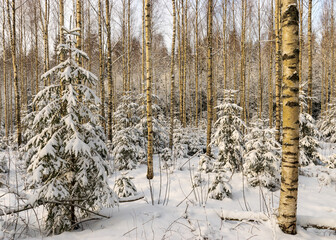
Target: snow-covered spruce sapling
x,y
166,158
205,164
309,136
127,139
67,164
228,134
327,123
160,133
262,157
220,188
330,162
3,171
124,187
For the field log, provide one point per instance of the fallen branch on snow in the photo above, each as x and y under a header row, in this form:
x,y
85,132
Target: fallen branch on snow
x,y
39,203
132,198
303,221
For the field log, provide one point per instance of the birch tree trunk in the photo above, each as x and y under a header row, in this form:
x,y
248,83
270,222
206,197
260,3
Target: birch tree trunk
x,y
224,46
11,24
109,72
310,59
278,71
4,71
150,172
242,63
101,62
196,64
209,79
290,146
172,77
129,46
259,61
270,73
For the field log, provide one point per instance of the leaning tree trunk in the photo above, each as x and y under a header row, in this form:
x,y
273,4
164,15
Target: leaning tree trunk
x,y
150,173
11,21
291,109
209,80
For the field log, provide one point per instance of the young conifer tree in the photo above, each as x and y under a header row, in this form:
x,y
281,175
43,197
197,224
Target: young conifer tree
x,y
262,157
228,134
67,153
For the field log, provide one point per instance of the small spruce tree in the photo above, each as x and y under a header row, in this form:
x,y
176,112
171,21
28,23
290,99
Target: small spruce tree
x,y
262,157
220,188
127,139
327,124
67,152
228,134
309,136
124,187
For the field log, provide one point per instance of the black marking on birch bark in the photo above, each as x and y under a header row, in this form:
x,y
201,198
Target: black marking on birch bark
x,y
290,165
288,128
294,78
288,216
288,56
292,13
292,104
290,197
289,153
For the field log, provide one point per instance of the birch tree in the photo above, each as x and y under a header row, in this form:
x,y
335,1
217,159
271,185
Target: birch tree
x,y
290,147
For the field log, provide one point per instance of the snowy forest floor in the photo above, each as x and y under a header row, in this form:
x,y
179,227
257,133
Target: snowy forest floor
x,y
181,213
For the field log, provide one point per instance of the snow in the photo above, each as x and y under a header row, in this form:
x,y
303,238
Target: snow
x,y
184,217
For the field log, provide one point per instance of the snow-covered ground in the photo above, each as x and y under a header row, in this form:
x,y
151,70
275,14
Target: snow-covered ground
x,y
181,213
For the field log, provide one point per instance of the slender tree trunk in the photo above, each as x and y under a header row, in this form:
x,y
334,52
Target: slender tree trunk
x,y
109,72
101,62
14,61
129,46
300,2
322,81
332,59
143,49
259,61
234,53
326,80
150,172
124,60
278,71
209,79
36,53
62,40
196,64
4,71
45,30
224,46
242,63
79,25
172,77
310,59
180,54
270,76
291,109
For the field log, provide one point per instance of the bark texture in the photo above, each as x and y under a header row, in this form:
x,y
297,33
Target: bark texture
x,y
290,146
